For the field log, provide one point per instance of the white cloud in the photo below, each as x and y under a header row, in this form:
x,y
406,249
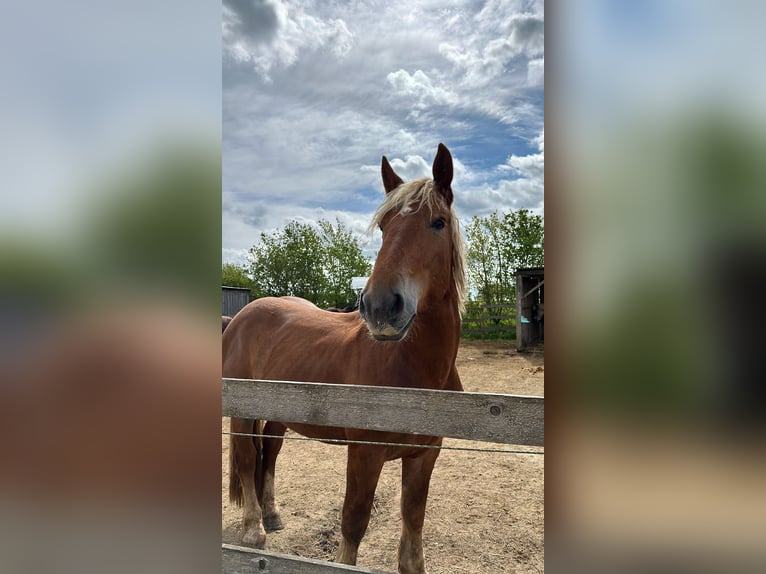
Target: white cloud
x,y
274,33
502,196
525,191
415,166
411,167
419,86
234,256
527,34
522,193
536,72
254,20
530,166
484,58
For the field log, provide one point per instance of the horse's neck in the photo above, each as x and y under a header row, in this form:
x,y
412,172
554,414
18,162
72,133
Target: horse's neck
x,y
434,344
441,322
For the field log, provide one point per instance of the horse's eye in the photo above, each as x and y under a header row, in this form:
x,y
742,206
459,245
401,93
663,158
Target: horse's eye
x,y
438,224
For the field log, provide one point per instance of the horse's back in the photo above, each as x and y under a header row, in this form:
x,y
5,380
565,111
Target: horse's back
x,y
291,339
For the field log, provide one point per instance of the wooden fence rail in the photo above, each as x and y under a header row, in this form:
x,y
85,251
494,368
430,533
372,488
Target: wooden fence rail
x,y
488,417
241,560
508,419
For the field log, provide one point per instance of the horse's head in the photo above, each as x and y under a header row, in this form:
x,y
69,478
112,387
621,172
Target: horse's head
x,y
420,264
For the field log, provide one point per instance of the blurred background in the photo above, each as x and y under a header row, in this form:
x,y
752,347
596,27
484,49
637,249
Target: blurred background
x,y
110,174
109,267
656,205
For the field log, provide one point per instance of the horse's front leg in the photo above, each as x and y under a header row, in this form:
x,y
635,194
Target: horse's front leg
x,y
271,447
362,474
416,477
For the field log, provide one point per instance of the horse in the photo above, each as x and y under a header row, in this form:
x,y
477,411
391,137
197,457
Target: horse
x,y
225,320
405,334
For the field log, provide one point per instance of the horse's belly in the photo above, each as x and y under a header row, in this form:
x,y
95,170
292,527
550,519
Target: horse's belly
x,y
396,443
318,432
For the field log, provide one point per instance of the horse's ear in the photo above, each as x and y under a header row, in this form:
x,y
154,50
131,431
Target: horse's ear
x,y
442,171
390,180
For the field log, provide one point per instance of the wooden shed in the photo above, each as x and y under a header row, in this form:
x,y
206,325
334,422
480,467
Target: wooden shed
x,y
234,298
530,303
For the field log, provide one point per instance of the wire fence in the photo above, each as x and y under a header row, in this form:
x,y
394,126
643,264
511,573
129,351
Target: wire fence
x,y
383,443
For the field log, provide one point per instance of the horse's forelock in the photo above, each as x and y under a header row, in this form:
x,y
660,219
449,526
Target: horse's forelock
x,y
422,193
417,191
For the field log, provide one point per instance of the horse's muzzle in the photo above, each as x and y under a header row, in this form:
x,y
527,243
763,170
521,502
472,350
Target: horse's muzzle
x,y
389,333
389,316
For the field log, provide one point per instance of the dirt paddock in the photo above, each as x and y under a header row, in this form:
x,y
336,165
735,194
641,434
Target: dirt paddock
x,y
485,510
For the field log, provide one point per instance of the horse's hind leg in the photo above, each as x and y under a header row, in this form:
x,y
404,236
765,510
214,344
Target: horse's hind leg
x,y
271,447
244,462
362,474
416,477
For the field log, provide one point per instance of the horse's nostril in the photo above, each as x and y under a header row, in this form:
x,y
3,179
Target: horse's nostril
x,y
381,309
398,305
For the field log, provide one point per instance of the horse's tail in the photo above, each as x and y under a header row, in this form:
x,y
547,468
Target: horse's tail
x,y
235,483
246,426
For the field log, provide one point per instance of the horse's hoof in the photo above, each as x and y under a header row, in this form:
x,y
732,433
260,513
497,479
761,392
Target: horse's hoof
x,y
255,539
272,523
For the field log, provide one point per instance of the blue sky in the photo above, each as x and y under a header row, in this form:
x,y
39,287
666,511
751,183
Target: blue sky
x,y
314,93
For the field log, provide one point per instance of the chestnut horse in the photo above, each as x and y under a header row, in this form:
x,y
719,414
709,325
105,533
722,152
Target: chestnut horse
x,y
405,334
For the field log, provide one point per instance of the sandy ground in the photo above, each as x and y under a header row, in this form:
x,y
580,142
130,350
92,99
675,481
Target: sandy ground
x,y
485,510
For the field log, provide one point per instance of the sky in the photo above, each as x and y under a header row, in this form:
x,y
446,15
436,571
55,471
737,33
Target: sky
x,y
314,93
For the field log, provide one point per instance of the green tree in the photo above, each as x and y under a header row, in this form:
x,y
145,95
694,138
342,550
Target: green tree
x,y
313,262
484,258
525,239
236,276
343,260
498,245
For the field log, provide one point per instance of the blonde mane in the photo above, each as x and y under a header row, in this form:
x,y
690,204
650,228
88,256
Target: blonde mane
x,y
421,191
